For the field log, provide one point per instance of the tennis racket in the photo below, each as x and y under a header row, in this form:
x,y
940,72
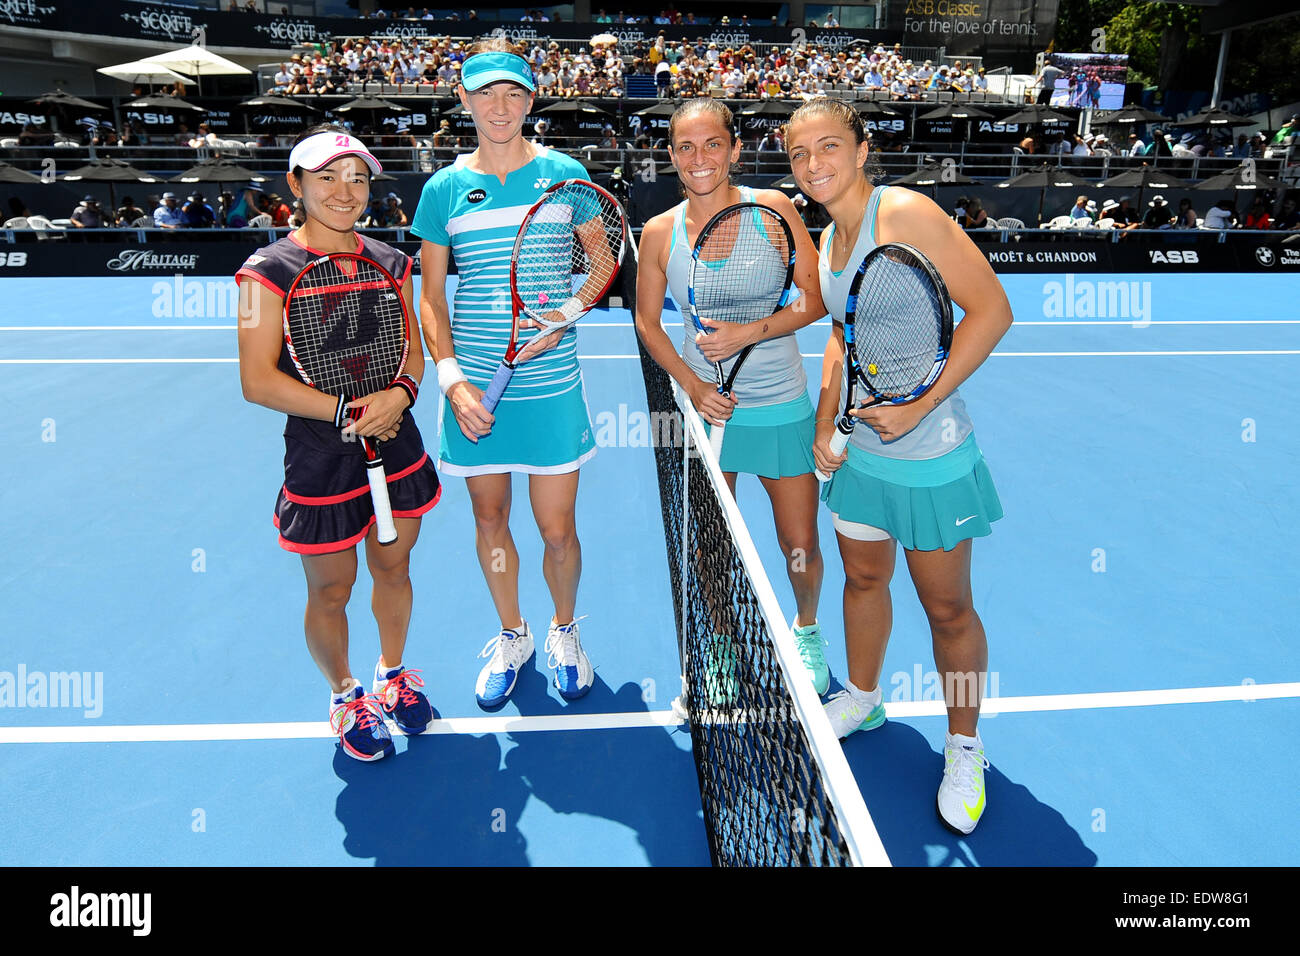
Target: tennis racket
x,y
565,259
897,332
348,333
742,267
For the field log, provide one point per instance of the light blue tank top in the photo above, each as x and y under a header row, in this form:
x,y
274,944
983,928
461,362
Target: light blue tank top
x,y
944,428
773,373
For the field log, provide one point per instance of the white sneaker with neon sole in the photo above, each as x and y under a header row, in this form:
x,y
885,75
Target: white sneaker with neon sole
x,y
962,800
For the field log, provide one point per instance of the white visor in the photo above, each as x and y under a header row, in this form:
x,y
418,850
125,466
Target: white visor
x,y
317,152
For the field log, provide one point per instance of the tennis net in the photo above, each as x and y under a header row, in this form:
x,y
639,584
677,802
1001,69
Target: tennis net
x,y
774,785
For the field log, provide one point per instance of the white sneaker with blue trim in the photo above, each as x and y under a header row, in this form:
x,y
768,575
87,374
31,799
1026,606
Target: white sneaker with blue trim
x,y
573,672
509,651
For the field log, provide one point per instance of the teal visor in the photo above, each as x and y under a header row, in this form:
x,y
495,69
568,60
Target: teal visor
x,y
484,68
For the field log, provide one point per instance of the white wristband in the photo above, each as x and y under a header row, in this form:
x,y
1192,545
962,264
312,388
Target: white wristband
x,y
572,308
449,374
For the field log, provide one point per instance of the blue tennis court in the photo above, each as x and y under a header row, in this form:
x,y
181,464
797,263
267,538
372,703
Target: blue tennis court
x,y
158,706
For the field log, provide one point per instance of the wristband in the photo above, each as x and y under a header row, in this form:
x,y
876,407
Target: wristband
x,y
449,374
341,412
408,385
572,308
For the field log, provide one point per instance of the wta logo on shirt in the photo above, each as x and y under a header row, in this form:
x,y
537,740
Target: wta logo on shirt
x,y
476,195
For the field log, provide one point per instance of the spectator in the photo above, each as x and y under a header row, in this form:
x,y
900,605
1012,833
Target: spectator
x,y
277,209
1029,145
376,216
1186,218
168,214
981,84
394,217
1159,215
198,214
246,209
976,217
1257,216
1080,209
1242,150
88,215
1289,217
1046,81
1101,146
128,213
1080,148
1159,145
1222,215
299,217
1135,145
1286,136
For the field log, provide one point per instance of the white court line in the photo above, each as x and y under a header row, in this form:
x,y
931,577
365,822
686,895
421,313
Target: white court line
x,y
1115,323
594,358
152,733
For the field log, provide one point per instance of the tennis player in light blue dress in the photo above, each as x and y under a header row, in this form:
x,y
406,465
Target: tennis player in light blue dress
x,y
912,474
769,416
473,209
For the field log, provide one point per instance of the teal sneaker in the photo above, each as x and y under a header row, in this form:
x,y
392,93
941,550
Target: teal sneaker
x,y
721,687
809,641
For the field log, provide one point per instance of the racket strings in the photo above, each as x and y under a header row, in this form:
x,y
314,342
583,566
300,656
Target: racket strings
x,y
742,267
571,245
347,327
898,326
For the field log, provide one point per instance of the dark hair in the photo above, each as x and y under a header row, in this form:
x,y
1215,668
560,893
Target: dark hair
x,y
312,131
846,116
489,44
703,106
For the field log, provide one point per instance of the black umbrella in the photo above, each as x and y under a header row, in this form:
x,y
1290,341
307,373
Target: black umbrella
x,y
1213,117
372,104
163,103
457,110
934,175
591,166
62,99
770,108
870,109
659,109
109,171
1041,178
574,108
785,182
1128,116
279,103
219,171
1037,114
1245,176
955,111
12,174
1144,178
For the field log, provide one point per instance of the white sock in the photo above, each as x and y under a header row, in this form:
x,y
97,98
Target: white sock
x,y
869,699
385,673
343,695
961,740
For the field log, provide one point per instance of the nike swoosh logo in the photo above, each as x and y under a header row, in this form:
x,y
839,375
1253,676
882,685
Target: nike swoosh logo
x,y
975,811
962,521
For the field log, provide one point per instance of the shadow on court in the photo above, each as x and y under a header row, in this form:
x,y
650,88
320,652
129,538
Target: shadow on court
x,y
637,777
898,773
434,803
446,800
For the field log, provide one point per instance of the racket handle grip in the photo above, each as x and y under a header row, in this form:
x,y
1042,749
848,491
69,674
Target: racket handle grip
x,y
839,441
386,530
497,387
715,440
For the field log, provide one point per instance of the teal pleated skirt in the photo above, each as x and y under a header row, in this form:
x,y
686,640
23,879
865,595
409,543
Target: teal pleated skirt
x,y
771,441
925,505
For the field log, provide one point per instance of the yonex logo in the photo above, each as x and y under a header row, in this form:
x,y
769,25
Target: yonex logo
x,y
476,195
541,183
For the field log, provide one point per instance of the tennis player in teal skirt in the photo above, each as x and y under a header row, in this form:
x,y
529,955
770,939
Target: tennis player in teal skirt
x,y
473,209
768,416
912,474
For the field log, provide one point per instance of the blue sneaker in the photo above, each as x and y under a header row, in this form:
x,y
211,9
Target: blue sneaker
x,y
573,672
357,720
509,652
395,689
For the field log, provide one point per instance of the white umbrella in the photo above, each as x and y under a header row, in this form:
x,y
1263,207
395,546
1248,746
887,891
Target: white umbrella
x,y
198,61
143,71
604,39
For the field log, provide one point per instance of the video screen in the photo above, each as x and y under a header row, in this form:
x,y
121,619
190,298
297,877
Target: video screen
x,y
1093,80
